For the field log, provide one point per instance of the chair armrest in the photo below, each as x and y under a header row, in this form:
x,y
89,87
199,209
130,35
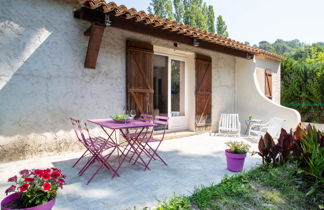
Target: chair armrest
x,y
258,124
264,128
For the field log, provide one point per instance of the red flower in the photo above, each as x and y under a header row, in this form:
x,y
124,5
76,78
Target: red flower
x,y
46,176
12,179
56,169
24,187
38,172
46,186
47,170
12,188
24,172
61,181
55,174
29,179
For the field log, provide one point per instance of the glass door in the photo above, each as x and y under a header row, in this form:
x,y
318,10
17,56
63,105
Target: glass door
x,y
178,104
171,90
177,88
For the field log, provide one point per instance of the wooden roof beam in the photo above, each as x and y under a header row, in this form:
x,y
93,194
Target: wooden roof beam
x,y
127,24
96,33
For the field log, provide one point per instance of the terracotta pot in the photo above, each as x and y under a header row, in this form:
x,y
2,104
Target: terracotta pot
x,y
15,196
235,162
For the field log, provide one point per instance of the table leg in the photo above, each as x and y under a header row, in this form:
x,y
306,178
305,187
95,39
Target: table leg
x,y
132,143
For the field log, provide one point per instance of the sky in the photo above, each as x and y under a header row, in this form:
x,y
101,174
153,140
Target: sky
x,y
258,20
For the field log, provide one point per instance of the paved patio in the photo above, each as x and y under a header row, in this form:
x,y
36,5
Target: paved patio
x,y
195,160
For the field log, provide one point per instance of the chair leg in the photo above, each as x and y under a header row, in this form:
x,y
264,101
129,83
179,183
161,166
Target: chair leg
x,y
80,158
155,153
152,155
86,166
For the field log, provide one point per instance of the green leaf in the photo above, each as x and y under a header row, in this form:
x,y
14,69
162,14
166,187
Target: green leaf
x,y
311,191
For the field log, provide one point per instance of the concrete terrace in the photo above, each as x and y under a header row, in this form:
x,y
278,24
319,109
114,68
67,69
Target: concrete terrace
x,y
193,161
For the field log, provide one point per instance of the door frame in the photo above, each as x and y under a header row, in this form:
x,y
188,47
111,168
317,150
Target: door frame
x,y
172,54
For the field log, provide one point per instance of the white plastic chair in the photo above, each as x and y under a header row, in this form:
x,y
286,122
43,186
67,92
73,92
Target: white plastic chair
x,y
273,127
229,124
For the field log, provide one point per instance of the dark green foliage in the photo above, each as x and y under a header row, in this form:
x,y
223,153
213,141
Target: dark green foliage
x,y
221,27
162,8
313,149
178,10
195,13
303,88
211,19
281,47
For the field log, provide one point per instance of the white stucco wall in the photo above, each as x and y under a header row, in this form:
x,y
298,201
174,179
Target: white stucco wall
x,y
251,100
260,79
43,82
261,65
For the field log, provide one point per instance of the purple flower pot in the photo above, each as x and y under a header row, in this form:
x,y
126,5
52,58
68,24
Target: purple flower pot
x,y
15,196
235,162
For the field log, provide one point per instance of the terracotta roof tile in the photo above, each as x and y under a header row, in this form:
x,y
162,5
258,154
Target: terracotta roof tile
x,y
186,30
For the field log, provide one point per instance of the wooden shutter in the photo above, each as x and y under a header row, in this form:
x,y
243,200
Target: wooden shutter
x,y
203,90
139,77
268,84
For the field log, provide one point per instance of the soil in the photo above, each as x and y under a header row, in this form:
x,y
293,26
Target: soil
x,y
15,204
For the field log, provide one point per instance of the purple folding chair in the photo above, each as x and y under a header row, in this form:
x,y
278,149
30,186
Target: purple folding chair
x,y
100,149
145,118
79,137
146,145
134,134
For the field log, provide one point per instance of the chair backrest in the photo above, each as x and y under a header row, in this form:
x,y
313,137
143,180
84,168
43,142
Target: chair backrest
x,y
274,126
163,121
81,131
146,118
230,122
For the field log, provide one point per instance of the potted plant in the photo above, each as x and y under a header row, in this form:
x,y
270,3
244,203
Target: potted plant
x,y
250,117
235,155
33,190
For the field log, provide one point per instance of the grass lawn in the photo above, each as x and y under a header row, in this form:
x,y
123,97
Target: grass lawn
x,y
265,187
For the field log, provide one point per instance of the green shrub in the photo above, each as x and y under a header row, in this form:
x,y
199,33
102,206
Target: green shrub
x,y
304,145
302,88
313,153
176,203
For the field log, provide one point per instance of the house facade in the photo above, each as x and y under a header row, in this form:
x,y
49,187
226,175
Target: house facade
x,y
97,59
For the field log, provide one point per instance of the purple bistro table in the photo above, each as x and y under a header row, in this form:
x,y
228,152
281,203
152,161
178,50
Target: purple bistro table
x,y
131,140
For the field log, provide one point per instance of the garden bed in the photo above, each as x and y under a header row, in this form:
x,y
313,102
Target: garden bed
x,y
265,187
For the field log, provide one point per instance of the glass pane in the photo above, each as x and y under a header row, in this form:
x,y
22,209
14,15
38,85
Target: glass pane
x,y
177,88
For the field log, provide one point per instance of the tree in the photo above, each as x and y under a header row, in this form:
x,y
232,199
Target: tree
x,y
162,8
221,27
179,10
195,13
264,45
247,43
188,15
211,19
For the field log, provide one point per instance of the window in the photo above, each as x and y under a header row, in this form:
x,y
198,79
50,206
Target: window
x,y
177,88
